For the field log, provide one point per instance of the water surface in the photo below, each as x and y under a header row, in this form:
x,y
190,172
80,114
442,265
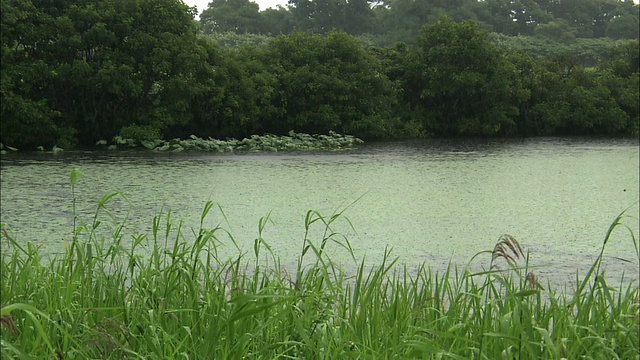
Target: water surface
x,y
430,201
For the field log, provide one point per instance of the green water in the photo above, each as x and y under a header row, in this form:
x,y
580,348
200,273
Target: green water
x,y
431,201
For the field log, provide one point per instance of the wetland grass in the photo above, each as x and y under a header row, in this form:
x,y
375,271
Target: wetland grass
x,y
169,295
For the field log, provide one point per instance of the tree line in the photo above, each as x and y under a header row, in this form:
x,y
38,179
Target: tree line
x,y
77,72
390,21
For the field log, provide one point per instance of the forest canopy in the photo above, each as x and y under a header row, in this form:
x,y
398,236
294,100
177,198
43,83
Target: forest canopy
x,y
77,72
390,21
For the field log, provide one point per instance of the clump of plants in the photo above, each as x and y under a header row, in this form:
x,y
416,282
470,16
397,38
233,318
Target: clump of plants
x,y
171,294
5,149
271,143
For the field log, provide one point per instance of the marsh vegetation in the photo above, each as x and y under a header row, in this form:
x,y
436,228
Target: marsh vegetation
x,y
168,294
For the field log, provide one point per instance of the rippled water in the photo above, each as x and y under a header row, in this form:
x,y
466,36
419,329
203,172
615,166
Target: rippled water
x,y
431,201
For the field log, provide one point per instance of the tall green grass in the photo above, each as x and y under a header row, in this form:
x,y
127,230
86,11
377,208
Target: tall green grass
x,y
169,295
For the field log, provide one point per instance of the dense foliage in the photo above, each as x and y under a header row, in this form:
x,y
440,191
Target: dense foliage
x,y
401,20
74,73
466,81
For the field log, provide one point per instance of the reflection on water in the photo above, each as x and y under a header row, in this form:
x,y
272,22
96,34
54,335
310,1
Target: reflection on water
x,y
431,201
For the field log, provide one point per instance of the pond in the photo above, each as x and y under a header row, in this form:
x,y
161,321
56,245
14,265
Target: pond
x,y
431,201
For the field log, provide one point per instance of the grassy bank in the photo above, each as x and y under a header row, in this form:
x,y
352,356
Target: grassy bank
x,y
168,295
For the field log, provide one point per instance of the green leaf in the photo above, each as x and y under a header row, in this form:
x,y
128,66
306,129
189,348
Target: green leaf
x,y
75,175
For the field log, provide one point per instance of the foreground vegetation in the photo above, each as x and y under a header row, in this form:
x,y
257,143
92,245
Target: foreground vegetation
x,y
168,295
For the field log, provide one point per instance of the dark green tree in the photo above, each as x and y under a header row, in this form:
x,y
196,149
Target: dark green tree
x,y
239,16
528,88
98,69
328,83
621,75
580,14
401,20
276,21
238,97
322,16
623,27
466,81
27,118
515,17
582,101
623,58
401,64
556,30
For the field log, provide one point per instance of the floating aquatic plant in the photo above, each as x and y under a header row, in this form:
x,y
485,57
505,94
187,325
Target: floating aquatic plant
x,y
270,143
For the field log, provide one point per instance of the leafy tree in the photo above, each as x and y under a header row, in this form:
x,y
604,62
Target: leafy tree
x,y
27,122
328,83
319,16
623,27
582,51
623,58
584,105
359,17
239,16
231,40
27,119
591,18
100,67
583,101
558,30
245,98
323,16
276,21
621,75
143,74
404,18
401,64
466,81
581,14
401,20
585,18
532,83
515,17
